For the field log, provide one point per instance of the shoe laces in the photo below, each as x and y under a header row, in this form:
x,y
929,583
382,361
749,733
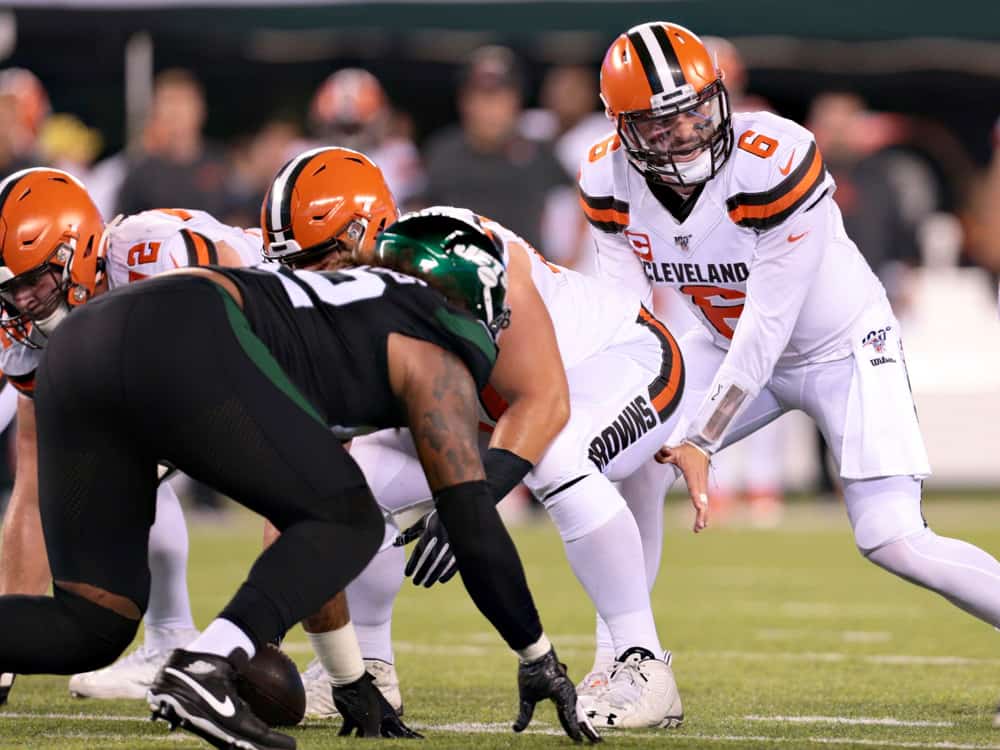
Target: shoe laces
x,y
626,683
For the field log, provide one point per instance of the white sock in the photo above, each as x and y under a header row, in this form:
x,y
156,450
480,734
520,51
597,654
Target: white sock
x,y
609,563
169,606
604,656
645,492
221,638
167,639
339,653
370,598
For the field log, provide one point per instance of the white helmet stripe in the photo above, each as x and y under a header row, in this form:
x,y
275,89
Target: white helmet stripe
x,y
659,58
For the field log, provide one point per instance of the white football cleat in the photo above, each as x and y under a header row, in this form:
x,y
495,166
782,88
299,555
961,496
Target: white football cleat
x,y
594,683
319,696
641,693
129,677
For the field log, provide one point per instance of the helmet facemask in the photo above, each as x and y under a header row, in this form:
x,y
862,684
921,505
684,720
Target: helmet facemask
x,y
347,243
48,312
680,144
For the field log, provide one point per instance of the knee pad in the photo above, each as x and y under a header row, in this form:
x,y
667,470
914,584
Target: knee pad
x,y
883,510
584,506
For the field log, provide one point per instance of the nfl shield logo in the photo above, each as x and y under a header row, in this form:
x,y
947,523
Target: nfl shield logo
x,y
681,240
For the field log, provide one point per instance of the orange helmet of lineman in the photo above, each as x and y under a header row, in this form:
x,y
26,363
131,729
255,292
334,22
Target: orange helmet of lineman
x,y
51,249
323,201
664,92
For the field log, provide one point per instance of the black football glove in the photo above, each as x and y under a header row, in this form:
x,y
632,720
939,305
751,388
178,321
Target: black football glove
x,y
547,678
367,713
432,560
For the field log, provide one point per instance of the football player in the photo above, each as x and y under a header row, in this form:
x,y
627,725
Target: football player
x,y
625,379
47,217
262,363
337,199
735,213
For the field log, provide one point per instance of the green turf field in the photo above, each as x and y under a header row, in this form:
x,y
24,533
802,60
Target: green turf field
x,y
782,638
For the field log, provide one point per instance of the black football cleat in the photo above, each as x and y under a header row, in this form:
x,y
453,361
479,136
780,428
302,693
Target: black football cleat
x,y
6,685
197,692
367,713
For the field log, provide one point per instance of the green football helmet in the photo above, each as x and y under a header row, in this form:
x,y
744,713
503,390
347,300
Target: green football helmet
x,y
450,250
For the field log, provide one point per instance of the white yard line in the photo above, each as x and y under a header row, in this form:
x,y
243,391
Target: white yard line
x,y
884,722
538,728
71,717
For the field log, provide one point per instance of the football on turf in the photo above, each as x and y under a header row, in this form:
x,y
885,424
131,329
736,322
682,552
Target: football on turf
x,y
271,686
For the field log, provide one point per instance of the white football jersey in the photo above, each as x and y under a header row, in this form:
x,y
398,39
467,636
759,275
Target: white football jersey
x,y
139,246
151,242
588,314
761,259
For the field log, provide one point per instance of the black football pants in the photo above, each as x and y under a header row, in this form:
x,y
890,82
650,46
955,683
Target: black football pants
x,y
168,369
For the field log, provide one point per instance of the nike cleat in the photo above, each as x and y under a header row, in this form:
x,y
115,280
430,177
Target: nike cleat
x,y
197,692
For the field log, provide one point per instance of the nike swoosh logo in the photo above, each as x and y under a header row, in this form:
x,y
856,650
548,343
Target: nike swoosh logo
x,y
788,167
223,708
796,237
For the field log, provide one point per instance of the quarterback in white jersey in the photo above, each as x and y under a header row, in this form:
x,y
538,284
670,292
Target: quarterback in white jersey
x,y
624,378
55,253
735,213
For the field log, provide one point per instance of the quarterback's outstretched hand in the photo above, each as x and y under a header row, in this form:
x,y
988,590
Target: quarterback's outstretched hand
x,y
547,678
367,713
432,560
693,463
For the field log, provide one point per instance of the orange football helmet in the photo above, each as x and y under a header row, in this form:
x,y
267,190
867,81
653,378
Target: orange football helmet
x,y
49,226
323,201
350,108
664,92
31,104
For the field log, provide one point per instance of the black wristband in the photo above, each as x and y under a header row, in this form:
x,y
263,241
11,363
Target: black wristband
x,y
504,471
488,561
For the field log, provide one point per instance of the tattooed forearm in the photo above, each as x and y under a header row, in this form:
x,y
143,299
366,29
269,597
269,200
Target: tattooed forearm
x,y
443,419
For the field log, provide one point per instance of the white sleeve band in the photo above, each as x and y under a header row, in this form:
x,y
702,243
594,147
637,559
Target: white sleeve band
x,y
535,651
340,654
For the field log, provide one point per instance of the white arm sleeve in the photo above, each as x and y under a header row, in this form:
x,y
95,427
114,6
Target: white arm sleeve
x,y
617,262
781,275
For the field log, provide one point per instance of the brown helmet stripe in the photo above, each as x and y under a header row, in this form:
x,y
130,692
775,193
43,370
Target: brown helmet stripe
x,y
279,196
652,75
663,41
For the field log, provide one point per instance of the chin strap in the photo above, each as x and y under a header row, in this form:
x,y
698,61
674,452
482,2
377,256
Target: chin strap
x,y
47,325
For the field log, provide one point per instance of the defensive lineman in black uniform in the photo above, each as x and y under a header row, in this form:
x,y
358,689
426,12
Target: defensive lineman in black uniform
x,y
235,377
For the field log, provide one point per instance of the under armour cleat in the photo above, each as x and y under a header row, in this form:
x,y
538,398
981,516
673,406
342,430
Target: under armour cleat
x,y
641,692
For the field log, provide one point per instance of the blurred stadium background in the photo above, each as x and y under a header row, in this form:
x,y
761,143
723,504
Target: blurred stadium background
x,y
196,103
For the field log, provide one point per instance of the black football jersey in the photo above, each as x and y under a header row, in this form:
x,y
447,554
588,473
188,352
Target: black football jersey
x,y
329,331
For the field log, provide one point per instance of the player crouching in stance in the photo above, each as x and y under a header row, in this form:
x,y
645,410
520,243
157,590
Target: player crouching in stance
x,y
324,207
735,212
261,363
624,378
47,219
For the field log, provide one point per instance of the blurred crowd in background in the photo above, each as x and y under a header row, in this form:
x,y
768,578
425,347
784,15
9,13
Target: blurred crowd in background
x,y
911,192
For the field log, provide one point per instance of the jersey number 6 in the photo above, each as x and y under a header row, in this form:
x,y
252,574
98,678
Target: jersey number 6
x,y
758,144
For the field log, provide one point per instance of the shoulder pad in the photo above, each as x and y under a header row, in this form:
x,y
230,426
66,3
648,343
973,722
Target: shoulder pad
x,y
777,170
603,196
